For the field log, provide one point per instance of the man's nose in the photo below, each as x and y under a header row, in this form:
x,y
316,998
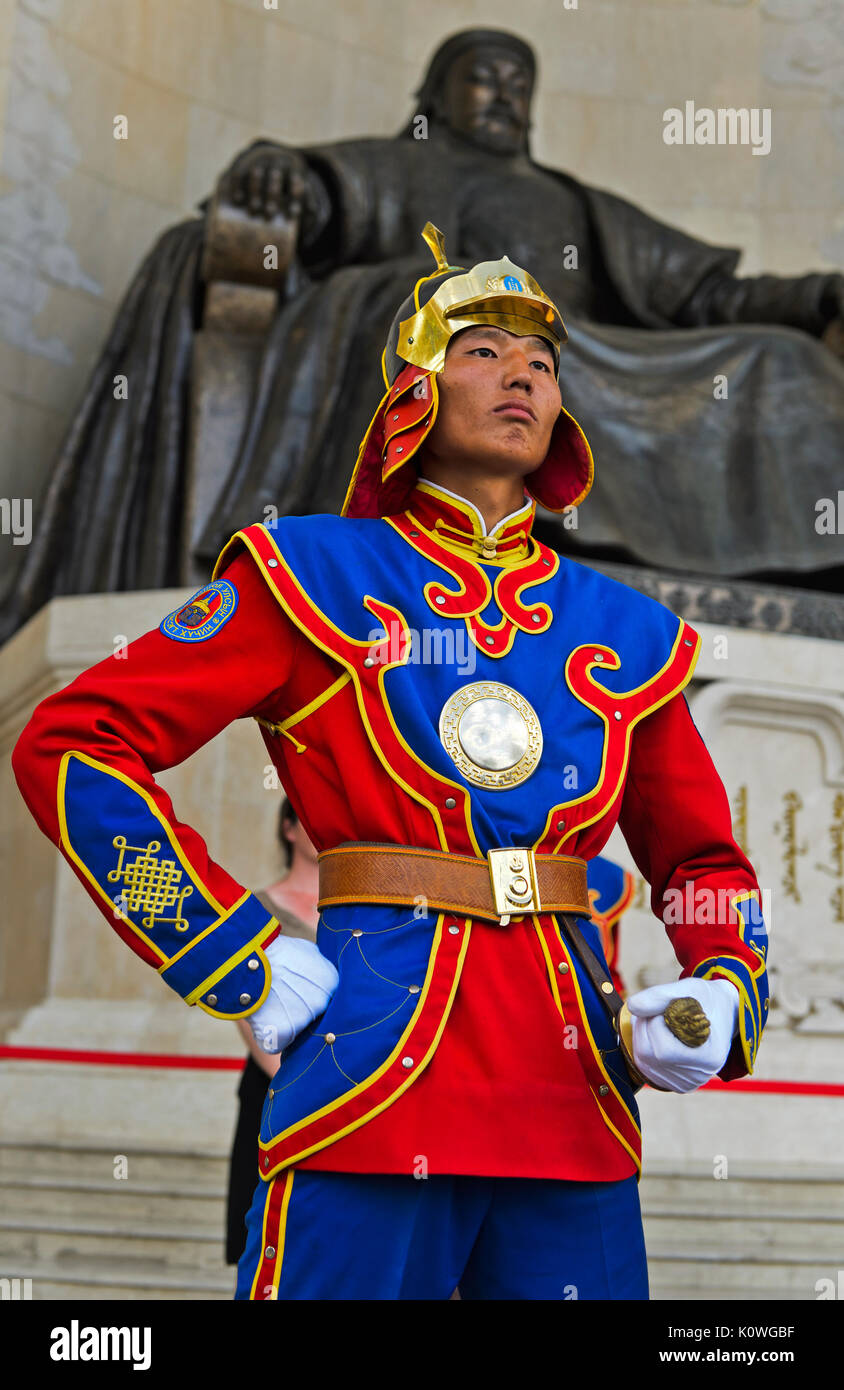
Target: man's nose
x,y
517,370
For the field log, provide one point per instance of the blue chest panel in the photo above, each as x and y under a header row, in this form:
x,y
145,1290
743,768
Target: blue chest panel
x,y
339,562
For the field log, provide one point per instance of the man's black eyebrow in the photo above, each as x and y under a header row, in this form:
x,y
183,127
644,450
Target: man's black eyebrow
x,y
490,330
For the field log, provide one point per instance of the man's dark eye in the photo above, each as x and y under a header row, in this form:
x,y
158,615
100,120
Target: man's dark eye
x,y
538,362
482,349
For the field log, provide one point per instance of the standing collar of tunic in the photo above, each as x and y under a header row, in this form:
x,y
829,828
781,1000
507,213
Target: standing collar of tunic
x,y
456,523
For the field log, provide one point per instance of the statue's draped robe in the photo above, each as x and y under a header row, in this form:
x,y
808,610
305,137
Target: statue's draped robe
x,y
712,443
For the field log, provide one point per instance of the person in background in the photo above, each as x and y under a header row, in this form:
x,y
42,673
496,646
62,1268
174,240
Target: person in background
x,y
292,900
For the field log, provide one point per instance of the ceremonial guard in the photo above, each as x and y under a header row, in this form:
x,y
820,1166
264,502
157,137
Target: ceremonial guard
x,y
459,716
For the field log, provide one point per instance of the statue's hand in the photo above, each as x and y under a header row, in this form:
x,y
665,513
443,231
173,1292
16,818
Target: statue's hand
x,y
833,336
267,182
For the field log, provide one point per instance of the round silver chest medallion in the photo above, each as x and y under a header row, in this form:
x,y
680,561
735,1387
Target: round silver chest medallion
x,y
492,734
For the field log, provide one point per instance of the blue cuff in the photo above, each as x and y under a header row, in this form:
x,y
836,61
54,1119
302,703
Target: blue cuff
x,y
751,983
226,972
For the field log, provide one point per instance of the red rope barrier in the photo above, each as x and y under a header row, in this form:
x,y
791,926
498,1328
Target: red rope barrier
x,y
159,1059
120,1059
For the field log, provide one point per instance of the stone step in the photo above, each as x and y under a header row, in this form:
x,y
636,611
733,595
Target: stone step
x,y
110,1276
718,1274
145,1203
78,1232
820,1189
751,1234
123,1246
812,1191
114,1282
82,1161
661,1292
730,1255
102,1280
64,1204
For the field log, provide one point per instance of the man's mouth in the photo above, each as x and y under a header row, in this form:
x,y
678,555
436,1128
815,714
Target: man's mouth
x,y
519,410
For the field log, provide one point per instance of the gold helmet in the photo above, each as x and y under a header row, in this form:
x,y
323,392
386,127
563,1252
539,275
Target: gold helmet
x,y
442,303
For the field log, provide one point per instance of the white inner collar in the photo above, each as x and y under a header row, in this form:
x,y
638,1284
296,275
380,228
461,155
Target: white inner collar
x,y
504,520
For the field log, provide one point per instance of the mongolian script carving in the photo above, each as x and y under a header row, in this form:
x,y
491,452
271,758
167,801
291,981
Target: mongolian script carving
x,y
836,867
739,811
791,851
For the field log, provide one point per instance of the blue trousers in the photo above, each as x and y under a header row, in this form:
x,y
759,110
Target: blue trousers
x,y
385,1236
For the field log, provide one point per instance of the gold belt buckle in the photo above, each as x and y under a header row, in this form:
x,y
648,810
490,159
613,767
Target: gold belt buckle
x,y
512,874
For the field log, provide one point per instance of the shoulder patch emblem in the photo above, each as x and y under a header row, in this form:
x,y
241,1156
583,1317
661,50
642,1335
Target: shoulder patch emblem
x,y
202,615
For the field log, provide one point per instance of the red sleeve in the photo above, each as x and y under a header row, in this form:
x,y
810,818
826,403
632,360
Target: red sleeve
x,y
85,763
675,817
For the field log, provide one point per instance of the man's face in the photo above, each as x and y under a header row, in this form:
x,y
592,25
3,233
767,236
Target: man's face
x,y
486,97
498,402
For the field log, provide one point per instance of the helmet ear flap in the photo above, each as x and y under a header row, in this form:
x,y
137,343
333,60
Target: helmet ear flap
x,y
384,476
565,475
409,416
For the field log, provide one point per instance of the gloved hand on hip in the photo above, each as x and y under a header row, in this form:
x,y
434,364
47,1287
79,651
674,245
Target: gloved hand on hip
x,y
303,981
666,1060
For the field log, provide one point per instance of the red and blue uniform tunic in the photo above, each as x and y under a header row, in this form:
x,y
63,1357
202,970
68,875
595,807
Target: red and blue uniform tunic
x,y
462,1045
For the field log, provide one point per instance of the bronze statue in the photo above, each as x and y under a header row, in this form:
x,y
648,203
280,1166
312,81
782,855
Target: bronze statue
x,y
721,482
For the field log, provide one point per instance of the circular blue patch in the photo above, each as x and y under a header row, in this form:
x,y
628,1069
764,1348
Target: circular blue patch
x,y
202,615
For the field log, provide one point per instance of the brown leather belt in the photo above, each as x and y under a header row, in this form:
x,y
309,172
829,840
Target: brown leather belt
x,y
508,882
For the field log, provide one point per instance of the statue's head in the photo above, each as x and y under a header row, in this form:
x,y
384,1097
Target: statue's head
x,y
479,83
432,352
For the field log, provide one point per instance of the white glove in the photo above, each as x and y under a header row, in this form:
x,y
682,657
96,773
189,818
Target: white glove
x,y
665,1059
303,981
